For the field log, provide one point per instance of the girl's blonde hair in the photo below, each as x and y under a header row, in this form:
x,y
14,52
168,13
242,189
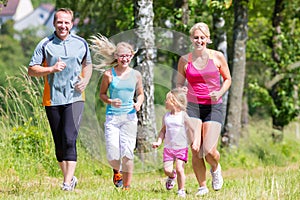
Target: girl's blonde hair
x,y
178,97
104,51
203,28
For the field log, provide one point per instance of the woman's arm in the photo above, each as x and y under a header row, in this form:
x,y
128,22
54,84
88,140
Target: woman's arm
x,y
221,63
181,72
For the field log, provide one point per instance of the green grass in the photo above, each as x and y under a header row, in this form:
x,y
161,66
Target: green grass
x,y
257,169
240,183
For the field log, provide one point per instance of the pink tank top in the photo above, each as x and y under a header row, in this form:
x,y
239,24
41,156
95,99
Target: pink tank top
x,y
202,81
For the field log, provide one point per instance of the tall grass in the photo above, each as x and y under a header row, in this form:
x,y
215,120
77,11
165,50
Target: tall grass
x,y
24,128
257,169
21,101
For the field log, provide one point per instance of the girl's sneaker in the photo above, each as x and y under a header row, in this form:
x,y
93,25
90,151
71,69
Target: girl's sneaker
x,y
126,188
170,183
181,193
202,191
118,179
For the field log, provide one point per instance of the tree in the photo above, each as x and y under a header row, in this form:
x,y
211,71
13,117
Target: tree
x,y
233,123
143,15
179,43
276,89
276,93
220,41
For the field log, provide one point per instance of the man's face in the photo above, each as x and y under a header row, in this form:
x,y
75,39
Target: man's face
x,y
63,25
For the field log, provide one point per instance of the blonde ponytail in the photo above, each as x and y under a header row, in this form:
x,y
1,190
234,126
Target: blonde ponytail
x,y
103,52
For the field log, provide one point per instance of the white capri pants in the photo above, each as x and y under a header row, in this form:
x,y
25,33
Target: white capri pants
x,y
120,136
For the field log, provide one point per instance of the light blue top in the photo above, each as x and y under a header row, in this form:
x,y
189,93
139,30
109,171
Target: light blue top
x,y
59,88
123,89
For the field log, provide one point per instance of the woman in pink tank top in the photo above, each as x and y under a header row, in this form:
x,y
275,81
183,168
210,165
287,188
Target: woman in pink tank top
x,y
202,69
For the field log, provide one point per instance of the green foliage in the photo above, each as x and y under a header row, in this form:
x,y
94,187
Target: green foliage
x,y
261,68
160,94
7,28
260,98
119,13
28,139
28,41
36,3
11,57
4,2
257,148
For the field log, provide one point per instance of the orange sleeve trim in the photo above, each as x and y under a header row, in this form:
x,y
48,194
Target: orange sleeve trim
x,y
46,96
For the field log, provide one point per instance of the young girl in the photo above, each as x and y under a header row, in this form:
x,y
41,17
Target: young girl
x,y
175,132
119,85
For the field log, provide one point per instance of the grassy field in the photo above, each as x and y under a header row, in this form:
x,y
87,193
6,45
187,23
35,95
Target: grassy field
x,y
257,183
247,175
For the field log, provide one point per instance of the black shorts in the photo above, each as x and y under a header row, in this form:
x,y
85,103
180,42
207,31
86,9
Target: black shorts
x,y
213,112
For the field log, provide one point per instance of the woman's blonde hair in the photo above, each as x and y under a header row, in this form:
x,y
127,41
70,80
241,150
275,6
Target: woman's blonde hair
x,y
104,51
203,28
178,97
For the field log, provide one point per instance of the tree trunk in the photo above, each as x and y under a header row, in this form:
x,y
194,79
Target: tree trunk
x,y
277,133
220,41
145,63
180,43
233,123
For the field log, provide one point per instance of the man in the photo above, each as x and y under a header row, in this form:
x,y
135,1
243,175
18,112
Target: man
x,y
64,60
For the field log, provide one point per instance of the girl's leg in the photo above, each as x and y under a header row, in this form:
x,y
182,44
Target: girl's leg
x,y
168,169
112,135
180,174
170,172
127,143
127,171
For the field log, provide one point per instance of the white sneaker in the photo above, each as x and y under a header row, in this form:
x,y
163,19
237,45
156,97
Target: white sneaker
x,y
202,191
73,182
217,179
66,187
181,193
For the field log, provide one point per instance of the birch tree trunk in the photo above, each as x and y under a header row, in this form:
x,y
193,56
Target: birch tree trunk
x,y
145,63
233,124
180,43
